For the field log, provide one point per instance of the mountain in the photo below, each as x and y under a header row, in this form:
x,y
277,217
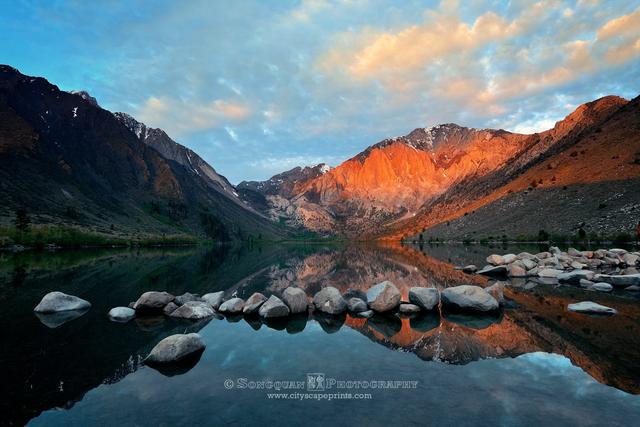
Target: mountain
x,y
401,185
272,196
589,180
65,160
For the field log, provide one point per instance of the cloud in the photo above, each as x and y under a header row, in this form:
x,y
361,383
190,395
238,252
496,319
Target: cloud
x,y
178,116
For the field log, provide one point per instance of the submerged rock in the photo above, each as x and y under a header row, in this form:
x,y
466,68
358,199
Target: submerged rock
x,y
622,281
253,303
55,302
121,314
469,297
425,298
232,306
383,297
153,301
175,348
591,308
193,310
214,299
602,287
274,307
357,305
575,276
329,301
550,273
296,300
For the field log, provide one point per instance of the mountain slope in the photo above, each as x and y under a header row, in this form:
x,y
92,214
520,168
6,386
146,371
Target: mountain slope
x,y
394,186
67,161
589,181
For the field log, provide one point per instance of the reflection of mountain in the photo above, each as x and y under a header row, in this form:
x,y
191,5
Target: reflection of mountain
x,y
56,367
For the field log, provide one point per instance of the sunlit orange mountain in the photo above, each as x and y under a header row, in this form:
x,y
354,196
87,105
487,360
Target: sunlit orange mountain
x,y
401,185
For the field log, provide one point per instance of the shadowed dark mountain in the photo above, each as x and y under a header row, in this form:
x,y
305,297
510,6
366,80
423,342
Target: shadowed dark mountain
x,y
68,161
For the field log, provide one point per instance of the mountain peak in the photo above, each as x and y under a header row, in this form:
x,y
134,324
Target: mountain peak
x,y
85,95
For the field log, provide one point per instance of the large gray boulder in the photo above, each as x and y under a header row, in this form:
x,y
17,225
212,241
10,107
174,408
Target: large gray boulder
x,y
329,301
469,297
621,281
55,302
591,307
232,306
193,310
509,258
153,301
630,259
296,300
214,299
383,297
253,303
425,298
356,305
121,314
273,307
175,348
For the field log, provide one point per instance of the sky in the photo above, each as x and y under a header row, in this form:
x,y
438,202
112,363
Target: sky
x,y
259,87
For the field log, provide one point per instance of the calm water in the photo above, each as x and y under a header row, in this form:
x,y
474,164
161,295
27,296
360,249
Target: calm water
x,y
535,363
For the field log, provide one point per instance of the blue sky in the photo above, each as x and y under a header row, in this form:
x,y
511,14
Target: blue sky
x,y
258,87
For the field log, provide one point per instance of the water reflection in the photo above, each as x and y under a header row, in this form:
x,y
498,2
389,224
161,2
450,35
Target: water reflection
x,y
50,368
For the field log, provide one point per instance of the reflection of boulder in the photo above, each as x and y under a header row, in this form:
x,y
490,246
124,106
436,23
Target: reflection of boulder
x,y
472,320
150,323
179,368
277,323
54,320
387,325
297,323
330,323
425,322
254,322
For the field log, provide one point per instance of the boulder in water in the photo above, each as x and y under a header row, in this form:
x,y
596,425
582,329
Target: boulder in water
x,y
329,301
469,297
383,297
425,298
176,348
55,302
296,300
121,314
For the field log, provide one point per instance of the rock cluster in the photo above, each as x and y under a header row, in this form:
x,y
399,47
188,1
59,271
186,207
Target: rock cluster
x,y
601,270
594,270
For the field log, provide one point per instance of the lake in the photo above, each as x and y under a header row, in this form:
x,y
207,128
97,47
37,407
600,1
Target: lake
x,y
535,363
